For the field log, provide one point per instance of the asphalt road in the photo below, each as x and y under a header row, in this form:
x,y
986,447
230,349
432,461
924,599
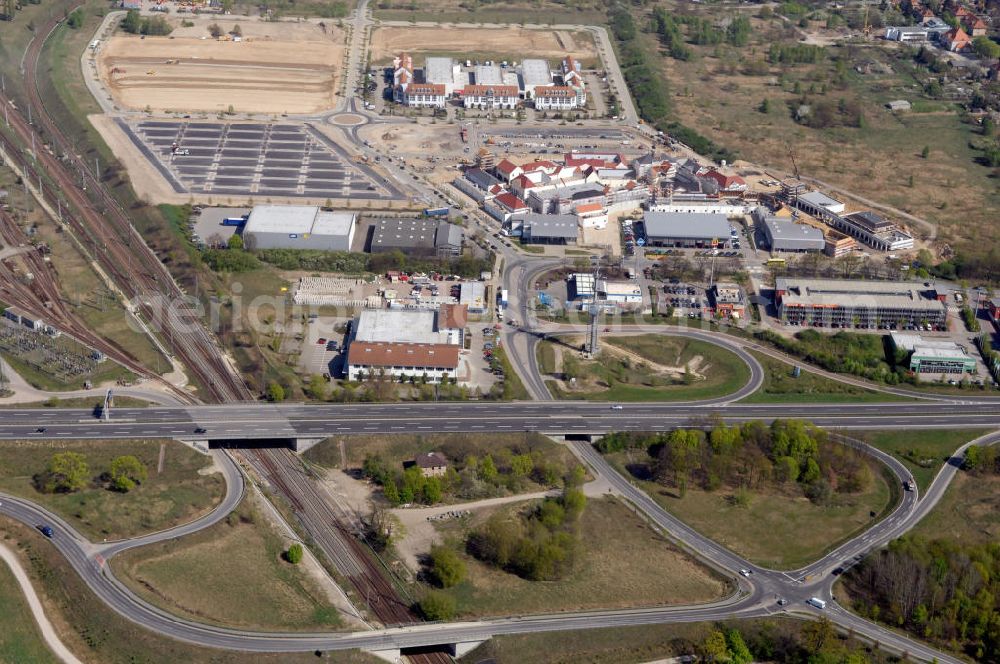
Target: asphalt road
x,y
262,421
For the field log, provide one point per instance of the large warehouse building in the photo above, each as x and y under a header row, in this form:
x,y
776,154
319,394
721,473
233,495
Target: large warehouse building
x,y
783,235
420,237
870,304
298,227
685,229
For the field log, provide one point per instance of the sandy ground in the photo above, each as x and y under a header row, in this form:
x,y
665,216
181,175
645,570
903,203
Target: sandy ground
x,y
276,68
388,42
45,627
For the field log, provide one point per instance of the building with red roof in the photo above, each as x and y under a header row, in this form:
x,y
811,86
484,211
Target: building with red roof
x,y
956,40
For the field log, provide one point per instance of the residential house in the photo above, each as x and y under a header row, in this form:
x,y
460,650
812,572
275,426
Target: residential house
x,y
956,40
424,95
491,97
556,98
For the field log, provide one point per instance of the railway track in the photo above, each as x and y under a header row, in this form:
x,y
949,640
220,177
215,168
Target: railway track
x,y
329,528
98,220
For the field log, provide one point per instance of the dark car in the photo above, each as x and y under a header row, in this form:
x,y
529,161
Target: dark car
x,y
201,430
45,530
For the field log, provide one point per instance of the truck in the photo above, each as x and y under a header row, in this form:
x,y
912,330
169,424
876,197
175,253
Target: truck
x,y
817,602
234,221
436,212
503,297
908,485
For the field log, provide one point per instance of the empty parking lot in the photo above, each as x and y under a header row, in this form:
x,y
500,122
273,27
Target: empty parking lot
x,y
255,159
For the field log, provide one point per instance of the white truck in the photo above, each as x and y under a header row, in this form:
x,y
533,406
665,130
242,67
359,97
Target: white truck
x,y
817,602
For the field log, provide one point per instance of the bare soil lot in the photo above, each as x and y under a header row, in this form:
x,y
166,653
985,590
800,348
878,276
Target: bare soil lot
x,y
275,68
472,43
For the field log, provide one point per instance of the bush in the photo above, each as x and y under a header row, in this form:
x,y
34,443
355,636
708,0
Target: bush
x,y
436,606
126,471
447,568
294,554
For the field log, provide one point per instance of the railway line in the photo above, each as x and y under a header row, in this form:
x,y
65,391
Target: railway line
x,y
332,532
93,214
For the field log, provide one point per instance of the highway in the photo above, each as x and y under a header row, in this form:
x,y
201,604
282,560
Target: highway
x,y
263,421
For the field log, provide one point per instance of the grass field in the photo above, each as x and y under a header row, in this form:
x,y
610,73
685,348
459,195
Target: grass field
x,y
622,562
95,633
174,496
969,512
780,386
774,530
80,402
617,377
229,574
720,92
922,450
20,640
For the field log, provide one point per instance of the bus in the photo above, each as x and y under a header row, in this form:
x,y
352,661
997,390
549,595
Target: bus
x,y
775,262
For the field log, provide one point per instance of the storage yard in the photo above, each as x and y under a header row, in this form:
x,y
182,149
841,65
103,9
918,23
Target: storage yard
x,y
474,43
271,68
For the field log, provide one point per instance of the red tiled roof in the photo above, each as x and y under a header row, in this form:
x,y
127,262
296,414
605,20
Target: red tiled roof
x,y
957,35
511,202
725,181
524,182
385,354
426,89
556,92
453,316
539,165
506,166
495,90
589,207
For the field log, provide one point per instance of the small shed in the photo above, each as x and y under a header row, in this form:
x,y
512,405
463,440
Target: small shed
x,y
898,105
431,464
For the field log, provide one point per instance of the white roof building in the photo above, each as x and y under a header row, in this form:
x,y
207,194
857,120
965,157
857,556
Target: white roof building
x,y
488,75
443,71
534,73
299,227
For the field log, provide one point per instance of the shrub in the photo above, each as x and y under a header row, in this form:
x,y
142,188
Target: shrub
x,y
447,568
437,606
127,471
294,554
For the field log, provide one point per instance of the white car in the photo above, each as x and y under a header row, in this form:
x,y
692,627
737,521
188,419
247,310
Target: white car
x,y
617,407
745,572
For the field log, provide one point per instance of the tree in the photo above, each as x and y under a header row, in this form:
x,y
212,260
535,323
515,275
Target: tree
x,y
66,472
237,31
437,606
391,492
926,152
75,18
985,47
294,554
275,392
126,472
132,23
447,568
714,647
739,653
318,387
213,30
765,106
432,490
521,465
487,469
235,241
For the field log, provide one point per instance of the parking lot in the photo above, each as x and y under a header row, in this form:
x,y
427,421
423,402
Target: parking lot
x,y
255,159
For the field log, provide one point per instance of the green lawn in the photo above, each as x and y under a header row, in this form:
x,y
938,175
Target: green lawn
x,y
622,562
775,530
20,640
178,494
780,386
922,450
230,574
95,633
969,512
612,378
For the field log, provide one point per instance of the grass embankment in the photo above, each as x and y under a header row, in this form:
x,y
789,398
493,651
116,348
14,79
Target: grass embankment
x,y
230,574
624,370
781,386
96,633
773,529
923,451
621,562
80,402
178,494
776,639
969,512
20,640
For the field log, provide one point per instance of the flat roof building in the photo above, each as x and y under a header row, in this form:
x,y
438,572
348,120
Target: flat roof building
x,y
782,235
934,356
416,236
442,71
619,292
298,227
874,230
685,229
727,299
472,294
534,73
488,75
818,204
864,304
549,228
581,286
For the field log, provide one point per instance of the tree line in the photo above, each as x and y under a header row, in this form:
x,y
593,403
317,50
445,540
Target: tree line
x,y
69,472
469,476
135,24
790,454
944,591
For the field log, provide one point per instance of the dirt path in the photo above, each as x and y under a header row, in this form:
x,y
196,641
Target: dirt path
x,y
45,627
